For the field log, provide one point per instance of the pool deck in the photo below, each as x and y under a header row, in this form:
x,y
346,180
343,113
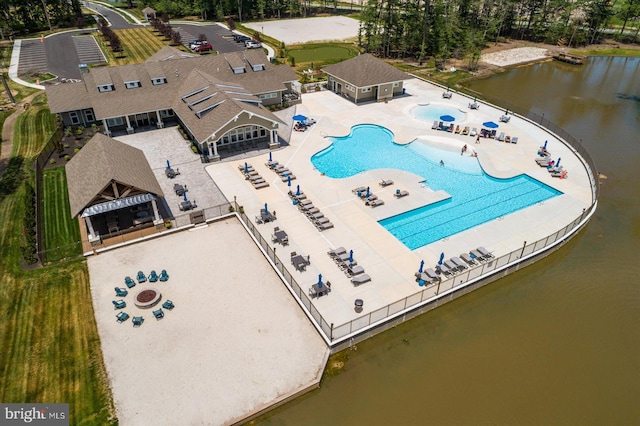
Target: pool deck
x,y
390,264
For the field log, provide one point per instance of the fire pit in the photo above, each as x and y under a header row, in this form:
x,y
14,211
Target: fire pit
x,y
147,298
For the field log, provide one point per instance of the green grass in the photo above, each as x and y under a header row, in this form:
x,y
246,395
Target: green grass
x,y
138,43
3,117
33,128
607,52
322,54
61,232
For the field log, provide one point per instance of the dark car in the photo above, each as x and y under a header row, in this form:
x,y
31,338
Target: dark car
x,y
241,38
204,47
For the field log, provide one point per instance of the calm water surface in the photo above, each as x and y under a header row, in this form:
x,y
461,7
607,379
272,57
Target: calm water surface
x,y
557,343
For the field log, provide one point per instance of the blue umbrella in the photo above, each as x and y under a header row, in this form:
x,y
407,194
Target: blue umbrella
x,y
246,167
545,145
441,258
447,118
421,266
168,165
319,280
288,180
266,211
490,124
367,196
351,256
184,196
270,159
421,283
299,117
558,162
298,190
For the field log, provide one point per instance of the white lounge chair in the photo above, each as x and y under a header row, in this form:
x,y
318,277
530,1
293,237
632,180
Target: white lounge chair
x,y
360,279
336,251
354,270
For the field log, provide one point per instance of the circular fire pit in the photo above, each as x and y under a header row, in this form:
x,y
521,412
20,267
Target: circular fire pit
x,y
147,298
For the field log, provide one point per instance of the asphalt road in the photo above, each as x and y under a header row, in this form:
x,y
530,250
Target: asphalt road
x,y
116,20
214,33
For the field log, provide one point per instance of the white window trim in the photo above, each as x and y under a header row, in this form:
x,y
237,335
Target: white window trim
x,y
74,117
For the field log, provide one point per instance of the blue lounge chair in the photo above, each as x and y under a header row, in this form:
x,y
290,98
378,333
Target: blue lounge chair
x,y
153,277
164,276
122,316
121,292
137,321
168,304
158,314
141,277
119,304
129,282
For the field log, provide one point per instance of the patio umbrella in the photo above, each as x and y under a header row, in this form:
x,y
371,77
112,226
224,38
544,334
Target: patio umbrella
x,y
266,211
298,190
441,258
490,124
319,280
421,283
168,165
558,162
246,167
545,145
299,117
351,256
270,159
421,266
447,118
288,180
184,196
367,196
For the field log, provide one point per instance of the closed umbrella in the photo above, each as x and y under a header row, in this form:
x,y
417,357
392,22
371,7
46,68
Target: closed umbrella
x,y
270,159
351,256
545,145
558,162
288,180
441,258
367,196
184,196
421,266
298,190
168,165
319,280
246,167
266,211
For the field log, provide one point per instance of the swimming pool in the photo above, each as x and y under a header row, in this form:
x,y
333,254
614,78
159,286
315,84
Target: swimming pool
x,y
432,112
476,197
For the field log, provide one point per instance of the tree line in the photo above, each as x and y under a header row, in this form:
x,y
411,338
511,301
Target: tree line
x,y
24,16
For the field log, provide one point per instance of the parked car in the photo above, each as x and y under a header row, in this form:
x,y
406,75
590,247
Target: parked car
x,y
241,38
205,46
195,43
252,44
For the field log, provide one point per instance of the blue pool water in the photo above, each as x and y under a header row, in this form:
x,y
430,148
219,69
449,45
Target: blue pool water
x,y
476,197
432,112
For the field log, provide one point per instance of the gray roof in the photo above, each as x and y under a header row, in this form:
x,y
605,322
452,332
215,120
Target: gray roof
x,y
104,160
366,70
178,70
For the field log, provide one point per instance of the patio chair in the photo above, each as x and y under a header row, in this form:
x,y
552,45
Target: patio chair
x,y
354,270
465,131
129,282
400,194
119,304
122,316
386,182
473,131
467,258
477,256
507,139
336,252
121,292
168,304
432,274
158,314
153,277
459,263
371,198
242,166
360,279
359,189
286,178
141,277
500,138
323,226
450,266
375,203
261,185
321,221
435,125
485,253
137,321
164,276
514,139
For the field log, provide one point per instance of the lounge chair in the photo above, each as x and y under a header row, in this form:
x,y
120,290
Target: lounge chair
x,y
119,304
324,226
354,270
435,125
317,215
473,131
141,277
444,269
425,278
447,95
153,277
340,258
500,138
255,180
400,193
241,166
476,255
271,164
359,189
505,118
561,173
474,105
507,139
450,129
336,251
371,198
459,263
121,292
386,182
122,316
543,161
467,258
158,314
129,282
311,210
168,304
514,139
164,276
261,185
465,131
304,203
251,173
441,126
284,171
360,279
458,129
137,321
485,253
450,265
375,203
431,274
286,178
321,221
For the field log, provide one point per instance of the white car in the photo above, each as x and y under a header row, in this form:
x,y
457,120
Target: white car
x,y
252,45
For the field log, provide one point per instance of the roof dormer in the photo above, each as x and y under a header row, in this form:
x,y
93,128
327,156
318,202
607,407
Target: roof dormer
x,y
132,84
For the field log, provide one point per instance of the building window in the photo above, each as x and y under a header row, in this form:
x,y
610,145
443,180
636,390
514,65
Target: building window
x,y
115,121
263,132
166,113
73,117
349,87
131,84
106,88
268,95
88,115
366,89
396,84
157,81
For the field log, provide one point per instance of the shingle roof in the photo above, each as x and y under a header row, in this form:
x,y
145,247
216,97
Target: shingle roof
x,y
366,70
101,161
178,72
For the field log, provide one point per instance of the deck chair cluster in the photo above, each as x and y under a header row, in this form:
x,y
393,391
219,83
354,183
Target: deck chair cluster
x,y
350,267
252,176
121,292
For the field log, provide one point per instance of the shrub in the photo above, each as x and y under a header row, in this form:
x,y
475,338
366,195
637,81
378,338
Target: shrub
x,y
52,161
194,149
29,246
67,157
76,150
12,176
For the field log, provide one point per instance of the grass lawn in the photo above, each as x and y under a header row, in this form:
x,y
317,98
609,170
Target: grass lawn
x,y
138,44
33,128
322,54
50,344
61,232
